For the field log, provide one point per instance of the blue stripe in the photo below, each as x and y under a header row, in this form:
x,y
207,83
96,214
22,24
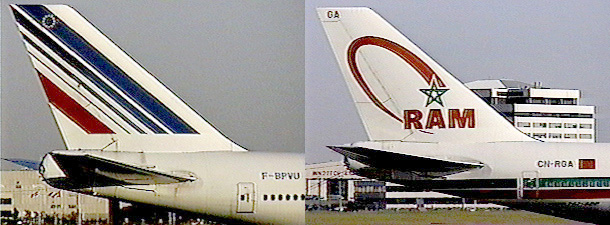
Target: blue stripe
x,y
108,69
89,75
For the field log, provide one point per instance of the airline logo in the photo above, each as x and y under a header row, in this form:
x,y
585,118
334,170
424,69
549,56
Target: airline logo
x,y
71,68
413,118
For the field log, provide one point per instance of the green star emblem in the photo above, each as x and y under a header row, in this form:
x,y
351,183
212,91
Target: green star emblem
x,y
434,95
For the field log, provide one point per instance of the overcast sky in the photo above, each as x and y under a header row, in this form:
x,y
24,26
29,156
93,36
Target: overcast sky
x,y
237,63
563,44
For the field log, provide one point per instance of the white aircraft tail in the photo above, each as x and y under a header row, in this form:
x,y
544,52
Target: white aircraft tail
x,y
99,96
400,92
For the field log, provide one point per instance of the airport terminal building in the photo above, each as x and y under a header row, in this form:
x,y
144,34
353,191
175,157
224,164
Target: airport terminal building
x,y
331,185
25,195
550,115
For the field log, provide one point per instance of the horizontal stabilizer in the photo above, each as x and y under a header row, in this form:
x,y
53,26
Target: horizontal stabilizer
x,y
82,170
406,163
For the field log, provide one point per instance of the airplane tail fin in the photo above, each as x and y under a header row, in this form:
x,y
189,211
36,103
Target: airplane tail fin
x,y
99,96
400,92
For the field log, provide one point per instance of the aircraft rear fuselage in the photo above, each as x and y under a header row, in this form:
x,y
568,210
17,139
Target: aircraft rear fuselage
x,y
519,170
254,187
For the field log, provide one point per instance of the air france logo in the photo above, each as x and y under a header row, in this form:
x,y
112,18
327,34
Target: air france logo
x,y
413,118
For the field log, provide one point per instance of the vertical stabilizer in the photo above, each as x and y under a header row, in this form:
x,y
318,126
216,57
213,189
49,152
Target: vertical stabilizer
x,y
400,92
99,96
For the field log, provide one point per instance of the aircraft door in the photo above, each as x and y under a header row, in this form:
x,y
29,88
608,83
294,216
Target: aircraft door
x,y
528,185
245,197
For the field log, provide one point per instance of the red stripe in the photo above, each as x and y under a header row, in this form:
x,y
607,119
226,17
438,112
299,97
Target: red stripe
x,y
72,109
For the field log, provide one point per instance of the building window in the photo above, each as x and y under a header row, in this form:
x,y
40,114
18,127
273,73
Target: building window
x,y
570,125
586,136
540,125
554,101
586,126
554,125
568,101
6,213
569,136
554,135
539,135
6,201
536,100
523,124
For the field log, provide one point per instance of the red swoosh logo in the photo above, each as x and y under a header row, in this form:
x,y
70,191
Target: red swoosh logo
x,y
419,65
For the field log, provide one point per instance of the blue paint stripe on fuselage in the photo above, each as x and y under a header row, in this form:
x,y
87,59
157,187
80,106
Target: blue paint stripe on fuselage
x,y
114,74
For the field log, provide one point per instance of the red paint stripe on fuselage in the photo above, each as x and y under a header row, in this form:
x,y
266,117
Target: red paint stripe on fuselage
x,y
72,109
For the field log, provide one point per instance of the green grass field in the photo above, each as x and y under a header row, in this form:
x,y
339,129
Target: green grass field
x,y
442,216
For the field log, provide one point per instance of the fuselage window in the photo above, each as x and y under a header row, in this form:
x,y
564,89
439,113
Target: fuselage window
x,y
295,197
265,197
279,197
287,197
302,197
272,197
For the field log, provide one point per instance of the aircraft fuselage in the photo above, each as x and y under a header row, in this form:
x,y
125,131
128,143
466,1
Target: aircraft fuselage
x,y
256,187
523,170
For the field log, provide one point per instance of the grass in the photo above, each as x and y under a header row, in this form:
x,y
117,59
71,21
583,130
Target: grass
x,y
442,216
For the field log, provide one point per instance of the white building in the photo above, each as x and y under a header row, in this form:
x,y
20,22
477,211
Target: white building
x,y
24,193
552,115
331,185
332,179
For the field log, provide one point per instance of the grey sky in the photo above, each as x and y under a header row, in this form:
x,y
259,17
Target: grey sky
x,y
563,44
238,63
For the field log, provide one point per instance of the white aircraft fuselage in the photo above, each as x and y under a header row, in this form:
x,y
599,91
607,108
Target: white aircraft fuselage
x,y
228,185
559,171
